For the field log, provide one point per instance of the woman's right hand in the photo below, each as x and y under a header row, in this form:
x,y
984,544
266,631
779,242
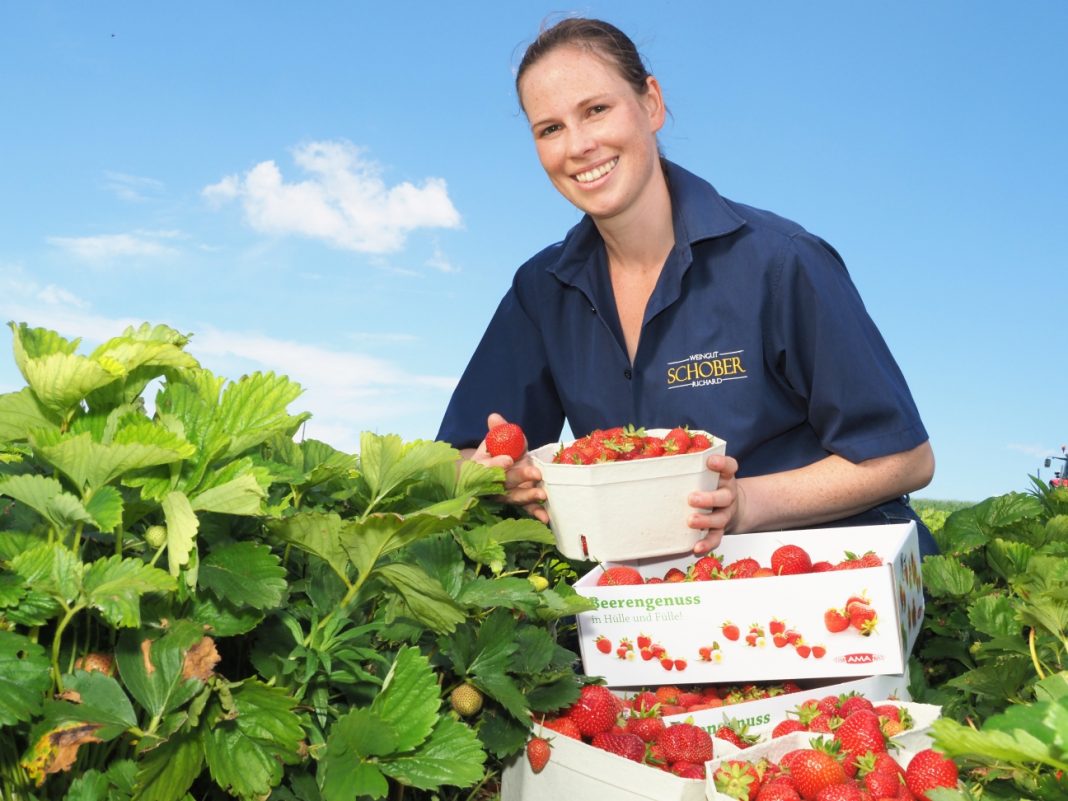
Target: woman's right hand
x,y
522,480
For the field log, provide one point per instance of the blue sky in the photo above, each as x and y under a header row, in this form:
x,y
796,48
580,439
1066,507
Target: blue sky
x,y
341,191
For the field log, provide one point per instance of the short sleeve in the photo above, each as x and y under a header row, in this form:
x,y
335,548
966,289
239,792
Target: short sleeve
x,y
508,373
830,352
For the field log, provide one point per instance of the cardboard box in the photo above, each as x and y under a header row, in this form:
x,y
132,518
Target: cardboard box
x,y
687,618
625,510
580,772
761,716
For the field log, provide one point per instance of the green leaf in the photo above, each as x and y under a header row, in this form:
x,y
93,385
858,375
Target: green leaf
x,y
253,409
554,695
503,689
964,531
409,699
1003,738
21,413
246,752
356,735
367,541
241,496
151,669
46,497
386,461
425,599
534,652
115,586
1007,558
316,533
25,677
53,569
453,755
100,700
168,771
105,507
244,574
1007,510
995,616
59,378
182,527
223,619
945,576
144,353
510,592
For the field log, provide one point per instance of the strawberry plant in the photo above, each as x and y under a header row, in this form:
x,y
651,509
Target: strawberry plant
x,y
193,604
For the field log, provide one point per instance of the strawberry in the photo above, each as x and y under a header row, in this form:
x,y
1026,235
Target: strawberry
x,y
779,640
883,783
652,447
643,641
737,779
604,645
742,568
565,726
835,620
647,726
778,789
506,439
466,700
813,771
645,701
628,746
803,650
819,651
688,770
860,733
595,710
821,566
680,664
538,753
677,440
787,726
776,626
619,575
686,742
888,711
646,654
789,560
706,568
927,770
667,663
730,631
667,694
841,792
852,702
688,699
699,442
674,576
863,619
734,733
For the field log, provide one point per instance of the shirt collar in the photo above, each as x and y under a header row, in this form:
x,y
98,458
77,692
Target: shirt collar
x,y
698,211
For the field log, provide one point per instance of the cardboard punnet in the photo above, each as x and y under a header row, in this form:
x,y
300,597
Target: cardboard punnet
x,y
625,510
687,619
580,772
761,716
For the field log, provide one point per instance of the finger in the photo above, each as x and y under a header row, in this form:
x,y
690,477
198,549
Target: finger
x,y
708,543
524,496
536,510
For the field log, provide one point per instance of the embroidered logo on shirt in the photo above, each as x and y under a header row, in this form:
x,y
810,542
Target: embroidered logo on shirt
x,y
706,369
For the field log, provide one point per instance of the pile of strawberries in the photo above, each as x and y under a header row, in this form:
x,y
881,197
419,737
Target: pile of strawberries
x,y
641,735
670,699
827,715
624,444
786,560
827,772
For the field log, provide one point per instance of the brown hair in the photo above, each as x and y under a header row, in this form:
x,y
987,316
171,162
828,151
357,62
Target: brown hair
x,y
597,36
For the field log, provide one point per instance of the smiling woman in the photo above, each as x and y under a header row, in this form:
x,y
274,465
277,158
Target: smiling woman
x,y
637,314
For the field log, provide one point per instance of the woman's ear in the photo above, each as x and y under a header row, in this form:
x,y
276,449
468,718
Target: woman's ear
x,y
654,103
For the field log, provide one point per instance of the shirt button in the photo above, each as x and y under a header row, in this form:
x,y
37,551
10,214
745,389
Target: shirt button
x,y
627,374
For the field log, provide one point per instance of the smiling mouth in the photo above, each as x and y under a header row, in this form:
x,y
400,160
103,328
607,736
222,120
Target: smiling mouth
x,y
597,172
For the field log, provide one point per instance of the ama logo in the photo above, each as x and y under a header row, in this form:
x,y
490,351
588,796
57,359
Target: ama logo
x,y
859,659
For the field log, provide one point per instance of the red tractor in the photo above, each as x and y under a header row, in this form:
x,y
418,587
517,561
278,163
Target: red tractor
x,y
1060,477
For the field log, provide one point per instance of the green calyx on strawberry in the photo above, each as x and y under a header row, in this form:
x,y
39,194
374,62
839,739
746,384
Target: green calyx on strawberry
x,y
737,779
506,439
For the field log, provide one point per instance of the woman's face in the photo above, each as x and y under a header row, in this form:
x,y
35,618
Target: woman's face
x,y
595,136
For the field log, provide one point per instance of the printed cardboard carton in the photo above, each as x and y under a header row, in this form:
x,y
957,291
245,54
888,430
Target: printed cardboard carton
x,y
722,631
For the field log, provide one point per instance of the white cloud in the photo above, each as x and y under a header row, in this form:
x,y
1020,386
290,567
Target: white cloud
x,y
105,247
344,202
439,261
134,188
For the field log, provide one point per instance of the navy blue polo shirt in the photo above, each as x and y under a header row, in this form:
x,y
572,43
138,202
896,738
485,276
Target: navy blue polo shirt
x,y
754,332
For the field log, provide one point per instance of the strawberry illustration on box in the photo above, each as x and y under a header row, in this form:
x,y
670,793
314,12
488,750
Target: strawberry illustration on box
x,y
844,602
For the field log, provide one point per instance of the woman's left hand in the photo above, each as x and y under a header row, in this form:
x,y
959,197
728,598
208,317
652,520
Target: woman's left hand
x,y
716,512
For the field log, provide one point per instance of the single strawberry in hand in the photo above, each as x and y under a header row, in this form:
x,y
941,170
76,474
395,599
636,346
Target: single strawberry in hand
x,y
506,439
538,753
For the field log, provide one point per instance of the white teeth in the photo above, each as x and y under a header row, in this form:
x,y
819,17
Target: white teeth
x,y
596,172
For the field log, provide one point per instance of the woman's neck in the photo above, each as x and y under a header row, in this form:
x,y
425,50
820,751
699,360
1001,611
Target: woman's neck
x,y
640,240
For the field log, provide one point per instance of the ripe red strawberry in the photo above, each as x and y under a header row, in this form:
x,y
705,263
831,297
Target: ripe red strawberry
x,y
776,626
803,650
667,694
860,733
680,664
742,568
604,645
734,734
929,769
619,575
787,726
706,568
628,746
667,663
643,640
888,711
690,698
647,726
821,566
883,783
688,770
506,439
595,710
819,651
779,640
841,792
652,447
677,440
684,741
813,771
730,631
790,560
645,701
565,726
674,576
737,779
538,753
835,620
778,789
852,702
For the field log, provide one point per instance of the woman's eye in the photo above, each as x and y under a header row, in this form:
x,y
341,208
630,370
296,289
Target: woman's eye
x,y
549,130
598,109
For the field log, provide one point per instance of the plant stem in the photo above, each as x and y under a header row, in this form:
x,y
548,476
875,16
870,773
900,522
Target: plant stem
x,y
1034,654
57,640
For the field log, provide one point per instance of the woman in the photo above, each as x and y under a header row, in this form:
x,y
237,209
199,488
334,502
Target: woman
x,y
669,305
